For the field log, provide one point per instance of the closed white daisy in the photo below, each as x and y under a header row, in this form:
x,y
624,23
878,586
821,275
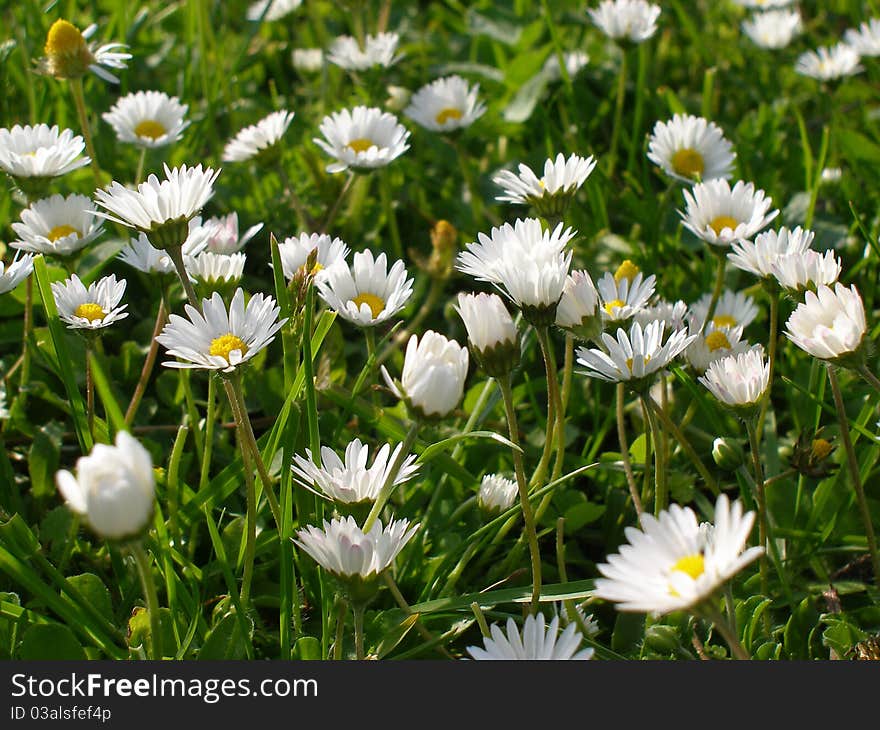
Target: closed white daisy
x,y
759,256
378,50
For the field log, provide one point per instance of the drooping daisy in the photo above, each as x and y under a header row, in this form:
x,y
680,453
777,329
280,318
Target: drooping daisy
x,y
578,310
720,215
70,56
215,269
15,272
739,380
258,139
866,38
496,494
33,154
161,209
446,104
829,63
713,343
758,257
797,272
378,50
829,324
625,293
143,256
537,642
626,20
675,563
734,309
307,59
574,62
221,234
491,332
221,339
352,481
774,29
552,192
57,226
362,138
270,10
295,251
690,149
89,308
148,119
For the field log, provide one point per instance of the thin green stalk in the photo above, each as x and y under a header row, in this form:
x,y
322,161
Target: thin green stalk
x,y
149,362
140,168
567,371
150,596
771,357
27,330
727,631
388,486
624,449
481,619
305,219
210,417
390,214
358,611
869,377
553,402
817,178
90,391
760,498
464,164
250,546
175,253
618,114
311,403
641,75
661,486
405,607
571,611
716,291
79,100
335,209
341,610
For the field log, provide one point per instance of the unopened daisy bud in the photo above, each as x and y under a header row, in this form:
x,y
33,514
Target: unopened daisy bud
x,y
398,98
377,51
221,234
578,310
866,38
808,270
496,495
434,371
114,488
307,59
70,56
728,453
444,247
830,325
739,381
491,332
811,455
89,309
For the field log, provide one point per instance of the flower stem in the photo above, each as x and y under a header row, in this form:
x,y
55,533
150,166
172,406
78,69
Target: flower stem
x,y
467,173
716,291
771,358
388,486
869,377
727,631
305,219
27,329
618,114
79,101
175,253
150,596
390,215
147,369
624,450
335,209
341,610
90,391
565,394
210,415
635,145
661,486
250,545
553,402
405,607
760,497
358,611
854,471
522,485
140,168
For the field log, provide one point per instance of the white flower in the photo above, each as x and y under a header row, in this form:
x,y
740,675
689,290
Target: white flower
x,y
12,274
143,256
496,494
712,344
739,380
634,355
487,321
256,138
378,50
69,56
220,235
758,257
691,148
446,104
774,29
831,175
829,63
40,151
551,193
148,119
625,293
434,371
829,324
734,309
352,481
294,252
307,59
220,339
537,642
673,314
808,270
866,39
92,308
343,549
631,20
573,61
113,489
215,268
673,563
57,226
763,4
270,10
579,304
362,138
720,215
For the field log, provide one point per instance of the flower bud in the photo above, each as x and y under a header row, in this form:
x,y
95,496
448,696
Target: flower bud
x,y
728,453
491,332
578,310
444,243
67,53
496,495
811,455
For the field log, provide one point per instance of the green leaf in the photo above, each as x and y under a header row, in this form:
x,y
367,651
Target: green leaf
x,y
629,629
307,647
394,636
43,459
95,592
49,641
226,640
439,447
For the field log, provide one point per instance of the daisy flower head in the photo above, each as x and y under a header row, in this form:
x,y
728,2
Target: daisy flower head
x,y
259,140
270,10
362,138
759,256
691,149
798,272
634,357
624,293
69,55
830,325
446,104
148,119
434,371
367,293
713,343
578,310
673,314
378,50
733,309
32,155
328,252
143,256
58,226
829,63
351,481
538,641
91,308
631,21
674,562
160,208
307,59
491,332
221,234
774,29
496,495
221,339
739,381
15,272
215,270
550,194
866,38
720,215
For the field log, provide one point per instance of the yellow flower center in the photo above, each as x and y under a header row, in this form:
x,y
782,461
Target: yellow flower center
x,y
149,128
627,270
225,344
722,222
316,268
446,114
688,162
62,231
692,565
629,361
612,305
820,448
90,311
361,144
64,39
376,304
717,341
724,320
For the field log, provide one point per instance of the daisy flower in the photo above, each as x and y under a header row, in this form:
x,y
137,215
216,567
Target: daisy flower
x,y
808,270
865,39
362,138
550,194
143,256
574,62
690,148
627,20
368,293
829,63
829,324
89,308
491,331
712,344
215,269
675,563
625,293
446,104
39,152
740,380
734,309
673,314
58,226
221,339
70,56
774,29
221,234
270,10
578,310
759,257
148,119
258,138
496,494
537,642
720,215
295,252
307,59
378,50
15,272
